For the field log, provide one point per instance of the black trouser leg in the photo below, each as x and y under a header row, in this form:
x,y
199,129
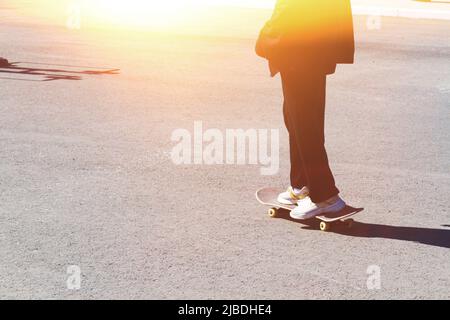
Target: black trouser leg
x,y
298,175
304,95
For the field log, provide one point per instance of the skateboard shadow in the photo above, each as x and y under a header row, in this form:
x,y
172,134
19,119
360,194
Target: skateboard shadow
x,y
32,71
427,236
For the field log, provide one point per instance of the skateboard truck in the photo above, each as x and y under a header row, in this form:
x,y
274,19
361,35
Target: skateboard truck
x,y
323,226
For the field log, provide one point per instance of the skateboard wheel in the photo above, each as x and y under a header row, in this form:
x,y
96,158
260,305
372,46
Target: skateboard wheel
x,y
273,213
349,223
325,226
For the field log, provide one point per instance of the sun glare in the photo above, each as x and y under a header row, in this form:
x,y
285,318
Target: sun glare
x,y
155,13
136,12
178,15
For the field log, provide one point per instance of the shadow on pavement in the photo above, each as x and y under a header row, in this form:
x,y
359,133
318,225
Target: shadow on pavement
x,y
432,237
32,71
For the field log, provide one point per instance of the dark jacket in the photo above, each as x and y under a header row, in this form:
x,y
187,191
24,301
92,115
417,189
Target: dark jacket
x,y
302,33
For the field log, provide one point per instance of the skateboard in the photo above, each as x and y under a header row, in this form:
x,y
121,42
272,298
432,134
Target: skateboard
x,y
268,197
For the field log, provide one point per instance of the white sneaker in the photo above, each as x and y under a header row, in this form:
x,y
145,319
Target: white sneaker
x,y
293,195
306,209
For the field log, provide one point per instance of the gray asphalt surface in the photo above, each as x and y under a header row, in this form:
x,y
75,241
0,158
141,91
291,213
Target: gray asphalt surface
x,y
86,176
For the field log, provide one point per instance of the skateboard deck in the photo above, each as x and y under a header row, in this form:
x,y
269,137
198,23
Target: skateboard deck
x,y
268,197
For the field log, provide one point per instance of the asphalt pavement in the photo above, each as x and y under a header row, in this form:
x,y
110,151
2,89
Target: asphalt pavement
x,y
87,178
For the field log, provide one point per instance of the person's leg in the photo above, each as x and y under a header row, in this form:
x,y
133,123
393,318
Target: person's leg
x,y
305,106
297,176
298,190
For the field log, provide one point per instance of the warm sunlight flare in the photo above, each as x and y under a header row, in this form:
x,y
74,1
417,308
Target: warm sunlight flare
x,y
153,13
175,15
136,12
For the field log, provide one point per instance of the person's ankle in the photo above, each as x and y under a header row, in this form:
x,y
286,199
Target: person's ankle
x,y
330,201
299,191
333,199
